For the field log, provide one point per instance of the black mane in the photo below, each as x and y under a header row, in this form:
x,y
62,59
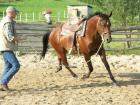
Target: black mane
x,y
102,15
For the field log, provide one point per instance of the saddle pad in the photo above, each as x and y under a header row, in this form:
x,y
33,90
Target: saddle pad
x,y
68,29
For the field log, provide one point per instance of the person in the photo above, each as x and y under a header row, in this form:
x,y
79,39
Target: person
x,y
47,15
81,20
8,43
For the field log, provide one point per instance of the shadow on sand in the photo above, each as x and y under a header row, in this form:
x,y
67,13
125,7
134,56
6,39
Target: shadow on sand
x,y
134,79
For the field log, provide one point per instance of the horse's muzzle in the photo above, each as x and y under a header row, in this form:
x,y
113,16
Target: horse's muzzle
x,y
107,38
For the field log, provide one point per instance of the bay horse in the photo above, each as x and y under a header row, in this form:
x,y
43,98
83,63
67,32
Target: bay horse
x,y
97,30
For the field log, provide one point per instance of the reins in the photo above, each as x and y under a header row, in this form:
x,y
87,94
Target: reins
x,y
98,48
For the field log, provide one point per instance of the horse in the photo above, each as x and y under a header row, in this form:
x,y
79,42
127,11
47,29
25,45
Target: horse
x,y
97,31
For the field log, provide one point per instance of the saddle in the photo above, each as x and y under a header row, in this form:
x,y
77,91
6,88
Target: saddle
x,y
69,29
74,30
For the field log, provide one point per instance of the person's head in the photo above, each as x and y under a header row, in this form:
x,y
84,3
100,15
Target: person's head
x,y
11,12
46,12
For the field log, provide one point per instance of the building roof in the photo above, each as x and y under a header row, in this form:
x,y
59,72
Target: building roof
x,y
81,5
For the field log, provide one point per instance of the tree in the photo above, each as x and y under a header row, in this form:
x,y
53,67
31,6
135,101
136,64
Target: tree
x,y
125,12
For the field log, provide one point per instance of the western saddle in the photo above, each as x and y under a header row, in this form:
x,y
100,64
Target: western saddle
x,y
72,29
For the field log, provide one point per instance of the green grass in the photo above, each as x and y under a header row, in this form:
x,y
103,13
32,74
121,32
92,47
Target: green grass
x,y
59,6
37,6
29,6
121,47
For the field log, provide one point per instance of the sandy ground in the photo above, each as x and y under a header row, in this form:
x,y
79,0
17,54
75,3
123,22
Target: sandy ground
x,y
37,83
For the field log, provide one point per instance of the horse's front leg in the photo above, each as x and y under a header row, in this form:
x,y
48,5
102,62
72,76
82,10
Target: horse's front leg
x,y
103,58
90,67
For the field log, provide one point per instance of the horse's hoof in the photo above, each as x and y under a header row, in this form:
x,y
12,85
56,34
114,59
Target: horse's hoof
x,y
85,77
116,83
58,69
74,75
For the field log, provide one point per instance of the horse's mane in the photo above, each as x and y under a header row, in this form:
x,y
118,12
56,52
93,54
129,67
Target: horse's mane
x,y
102,15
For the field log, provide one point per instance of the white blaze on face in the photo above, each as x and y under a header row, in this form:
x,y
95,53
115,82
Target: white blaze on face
x,y
107,23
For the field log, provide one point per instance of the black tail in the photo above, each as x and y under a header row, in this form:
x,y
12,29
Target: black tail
x,y
45,41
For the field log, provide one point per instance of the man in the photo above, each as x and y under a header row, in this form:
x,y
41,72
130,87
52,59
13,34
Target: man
x,y
8,42
47,15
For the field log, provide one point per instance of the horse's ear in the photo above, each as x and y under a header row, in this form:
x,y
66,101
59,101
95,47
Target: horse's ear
x,y
110,14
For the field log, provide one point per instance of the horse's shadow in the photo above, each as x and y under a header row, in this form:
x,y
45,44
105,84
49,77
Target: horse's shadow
x,y
134,79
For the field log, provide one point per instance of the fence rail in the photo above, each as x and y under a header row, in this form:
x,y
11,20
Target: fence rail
x,y
34,17
35,32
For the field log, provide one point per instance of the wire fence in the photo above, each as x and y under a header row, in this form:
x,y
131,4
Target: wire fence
x,y
37,17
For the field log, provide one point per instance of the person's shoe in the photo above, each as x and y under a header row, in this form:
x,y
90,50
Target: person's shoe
x,y
4,87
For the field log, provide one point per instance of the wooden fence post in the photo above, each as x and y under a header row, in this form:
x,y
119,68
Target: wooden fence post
x,y
64,14
58,17
33,16
3,13
128,36
26,17
39,16
20,17
138,36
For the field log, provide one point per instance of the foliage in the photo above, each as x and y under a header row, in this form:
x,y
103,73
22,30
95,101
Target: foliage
x,y
36,7
7,0
125,12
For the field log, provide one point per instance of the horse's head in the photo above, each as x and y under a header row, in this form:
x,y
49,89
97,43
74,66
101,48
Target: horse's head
x,y
103,27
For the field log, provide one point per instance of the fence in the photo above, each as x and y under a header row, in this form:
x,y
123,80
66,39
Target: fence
x,y
128,36
34,32
34,17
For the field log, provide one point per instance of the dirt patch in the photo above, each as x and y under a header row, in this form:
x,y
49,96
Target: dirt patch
x,y
37,83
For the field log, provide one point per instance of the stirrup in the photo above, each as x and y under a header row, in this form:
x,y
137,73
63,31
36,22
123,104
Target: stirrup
x,y
70,51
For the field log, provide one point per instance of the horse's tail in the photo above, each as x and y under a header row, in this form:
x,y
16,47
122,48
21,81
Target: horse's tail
x,y
45,41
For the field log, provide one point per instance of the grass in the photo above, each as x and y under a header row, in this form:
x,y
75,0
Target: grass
x,y
30,6
124,52
120,48
59,6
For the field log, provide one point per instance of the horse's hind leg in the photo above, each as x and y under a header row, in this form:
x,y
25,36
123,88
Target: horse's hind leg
x,y
60,64
88,60
65,63
103,58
